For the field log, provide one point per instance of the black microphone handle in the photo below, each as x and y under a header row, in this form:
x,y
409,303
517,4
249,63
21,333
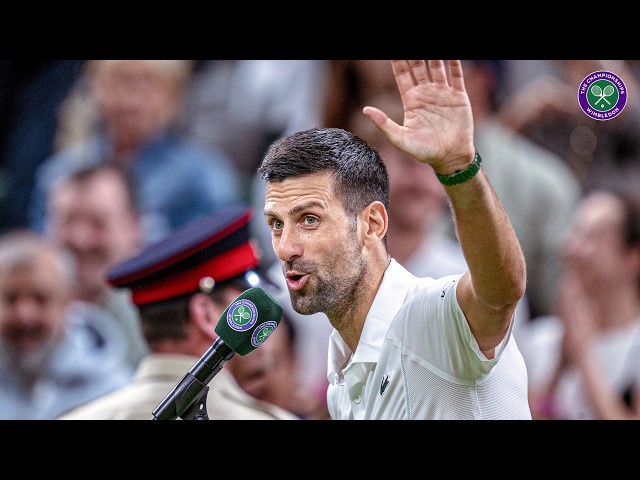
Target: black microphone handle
x,y
212,361
193,386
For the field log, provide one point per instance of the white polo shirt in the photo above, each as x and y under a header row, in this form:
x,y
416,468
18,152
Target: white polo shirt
x,y
417,359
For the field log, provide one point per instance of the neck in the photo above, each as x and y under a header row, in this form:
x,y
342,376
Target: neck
x,y
349,320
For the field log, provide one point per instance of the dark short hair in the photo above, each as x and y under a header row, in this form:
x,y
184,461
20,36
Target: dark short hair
x,y
360,176
168,319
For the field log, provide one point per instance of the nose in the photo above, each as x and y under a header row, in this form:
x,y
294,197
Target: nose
x,y
26,311
287,246
80,235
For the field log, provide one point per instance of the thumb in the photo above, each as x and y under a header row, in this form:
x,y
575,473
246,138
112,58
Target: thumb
x,y
382,121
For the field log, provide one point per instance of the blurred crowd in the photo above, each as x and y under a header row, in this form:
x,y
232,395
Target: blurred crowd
x,y
100,159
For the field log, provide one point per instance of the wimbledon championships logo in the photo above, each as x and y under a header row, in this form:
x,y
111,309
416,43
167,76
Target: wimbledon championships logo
x,y
262,332
602,95
242,315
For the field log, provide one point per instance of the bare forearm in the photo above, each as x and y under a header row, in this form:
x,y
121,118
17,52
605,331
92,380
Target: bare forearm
x,y
490,246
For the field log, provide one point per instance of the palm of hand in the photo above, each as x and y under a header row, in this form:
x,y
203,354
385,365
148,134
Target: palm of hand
x,y
438,123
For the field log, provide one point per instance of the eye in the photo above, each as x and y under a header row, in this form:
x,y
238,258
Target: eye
x,y
276,224
310,221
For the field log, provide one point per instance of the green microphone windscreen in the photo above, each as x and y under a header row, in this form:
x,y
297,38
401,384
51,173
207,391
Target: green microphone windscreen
x,y
249,320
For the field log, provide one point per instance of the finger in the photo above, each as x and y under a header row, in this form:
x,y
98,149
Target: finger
x,y
402,72
455,73
437,71
419,70
382,122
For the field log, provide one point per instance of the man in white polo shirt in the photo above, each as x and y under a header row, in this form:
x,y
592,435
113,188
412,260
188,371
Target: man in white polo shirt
x,y
402,347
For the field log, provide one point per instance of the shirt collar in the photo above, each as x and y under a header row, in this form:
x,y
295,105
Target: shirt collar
x,y
390,296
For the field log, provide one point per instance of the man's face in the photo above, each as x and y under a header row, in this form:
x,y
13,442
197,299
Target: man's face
x,y
94,222
136,98
318,245
33,300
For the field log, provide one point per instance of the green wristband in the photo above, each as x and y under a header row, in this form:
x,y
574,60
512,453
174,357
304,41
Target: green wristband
x,y
461,176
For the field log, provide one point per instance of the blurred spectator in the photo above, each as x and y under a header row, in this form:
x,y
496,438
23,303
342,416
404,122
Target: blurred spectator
x,y
93,215
54,353
125,112
539,192
30,98
547,111
271,373
182,285
583,361
240,106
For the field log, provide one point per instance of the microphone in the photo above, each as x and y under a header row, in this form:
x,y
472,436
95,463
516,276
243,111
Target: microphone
x,y
244,325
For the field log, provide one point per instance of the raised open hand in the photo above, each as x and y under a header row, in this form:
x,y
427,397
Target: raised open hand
x,y
438,122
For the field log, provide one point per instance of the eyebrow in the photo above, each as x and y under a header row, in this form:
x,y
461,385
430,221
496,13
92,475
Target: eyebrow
x,y
296,209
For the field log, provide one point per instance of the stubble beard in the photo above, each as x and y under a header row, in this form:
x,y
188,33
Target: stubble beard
x,y
334,295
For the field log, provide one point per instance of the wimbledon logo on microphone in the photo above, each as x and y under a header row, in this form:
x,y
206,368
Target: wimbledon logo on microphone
x,y
602,95
262,332
242,316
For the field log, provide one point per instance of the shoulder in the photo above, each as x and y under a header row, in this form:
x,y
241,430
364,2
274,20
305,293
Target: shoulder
x,y
99,409
66,161
426,289
75,155
430,304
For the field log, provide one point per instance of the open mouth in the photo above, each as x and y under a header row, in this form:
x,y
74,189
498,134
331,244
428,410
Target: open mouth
x,y
296,281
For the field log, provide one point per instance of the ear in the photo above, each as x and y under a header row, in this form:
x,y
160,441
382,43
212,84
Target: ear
x,y
202,311
375,221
